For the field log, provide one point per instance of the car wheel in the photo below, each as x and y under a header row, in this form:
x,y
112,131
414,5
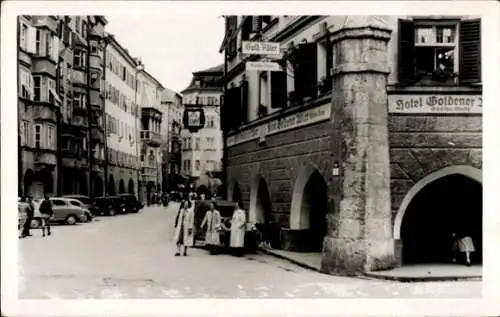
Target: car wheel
x,y
71,220
111,212
35,224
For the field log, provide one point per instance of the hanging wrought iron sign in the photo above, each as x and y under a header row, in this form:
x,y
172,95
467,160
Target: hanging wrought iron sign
x,y
193,119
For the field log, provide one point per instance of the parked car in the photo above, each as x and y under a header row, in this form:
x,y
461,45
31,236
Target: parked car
x,y
109,205
131,203
64,212
226,209
79,203
85,200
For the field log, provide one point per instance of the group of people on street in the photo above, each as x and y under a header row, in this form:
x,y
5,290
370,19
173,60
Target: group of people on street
x,y
28,209
212,221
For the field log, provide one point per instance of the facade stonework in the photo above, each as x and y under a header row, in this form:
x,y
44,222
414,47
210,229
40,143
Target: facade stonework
x,y
341,185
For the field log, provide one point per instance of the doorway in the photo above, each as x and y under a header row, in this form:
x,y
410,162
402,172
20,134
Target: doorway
x,y
314,209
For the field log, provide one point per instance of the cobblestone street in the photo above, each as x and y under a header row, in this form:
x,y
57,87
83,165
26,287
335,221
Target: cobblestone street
x,y
131,256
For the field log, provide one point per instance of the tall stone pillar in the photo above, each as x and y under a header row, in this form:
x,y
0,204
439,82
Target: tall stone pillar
x,y
359,236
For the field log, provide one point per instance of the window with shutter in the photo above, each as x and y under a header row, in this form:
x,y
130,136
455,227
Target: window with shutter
x,y
278,89
244,102
406,51
306,70
246,28
470,51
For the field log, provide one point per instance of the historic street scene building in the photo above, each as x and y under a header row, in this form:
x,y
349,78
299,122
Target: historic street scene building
x,y
122,120
202,150
172,112
149,92
60,104
365,147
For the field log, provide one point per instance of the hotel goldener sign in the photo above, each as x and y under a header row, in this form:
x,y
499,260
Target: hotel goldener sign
x,y
193,119
443,104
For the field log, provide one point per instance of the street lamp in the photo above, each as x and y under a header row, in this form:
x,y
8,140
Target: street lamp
x,y
138,69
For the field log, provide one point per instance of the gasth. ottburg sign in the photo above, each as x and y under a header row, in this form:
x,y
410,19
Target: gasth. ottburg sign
x,y
443,104
193,119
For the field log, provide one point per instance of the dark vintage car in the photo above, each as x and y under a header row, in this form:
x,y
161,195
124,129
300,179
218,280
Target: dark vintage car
x,y
226,209
131,203
109,205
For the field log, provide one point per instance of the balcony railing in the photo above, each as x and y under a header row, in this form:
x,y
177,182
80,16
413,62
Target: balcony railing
x,y
151,137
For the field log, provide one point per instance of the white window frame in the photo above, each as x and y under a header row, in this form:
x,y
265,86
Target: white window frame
x,y
434,25
51,136
37,143
50,45
24,36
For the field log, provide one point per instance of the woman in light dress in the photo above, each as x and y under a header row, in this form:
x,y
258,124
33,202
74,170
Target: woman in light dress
x,y
184,223
462,242
238,226
212,220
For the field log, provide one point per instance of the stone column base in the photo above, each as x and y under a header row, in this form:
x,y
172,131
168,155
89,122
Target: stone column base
x,y
352,257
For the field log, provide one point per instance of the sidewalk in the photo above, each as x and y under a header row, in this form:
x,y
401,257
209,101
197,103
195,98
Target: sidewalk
x,y
407,273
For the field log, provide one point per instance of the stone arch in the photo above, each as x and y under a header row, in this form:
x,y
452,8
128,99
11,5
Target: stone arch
x,y
111,185
260,200
121,186
130,188
309,209
28,178
234,191
465,170
98,186
297,218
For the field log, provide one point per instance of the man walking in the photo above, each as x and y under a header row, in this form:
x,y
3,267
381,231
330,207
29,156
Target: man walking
x,y
46,212
30,213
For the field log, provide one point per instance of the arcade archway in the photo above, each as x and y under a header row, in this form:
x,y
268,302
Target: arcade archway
x,y
27,181
309,208
121,186
260,201
236,193
111,186
447,202
98,186
131,189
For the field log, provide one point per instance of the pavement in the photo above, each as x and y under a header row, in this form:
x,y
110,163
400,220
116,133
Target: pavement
x,y
132,256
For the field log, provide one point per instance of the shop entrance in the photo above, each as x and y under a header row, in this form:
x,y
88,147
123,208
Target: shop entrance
x,y
450,204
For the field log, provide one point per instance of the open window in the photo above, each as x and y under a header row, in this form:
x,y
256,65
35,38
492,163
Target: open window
x,y
439,51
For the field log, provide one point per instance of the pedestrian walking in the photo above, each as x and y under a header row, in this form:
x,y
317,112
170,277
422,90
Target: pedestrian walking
x,y
30,213
46,212
463,243
238,223
184,223
212,220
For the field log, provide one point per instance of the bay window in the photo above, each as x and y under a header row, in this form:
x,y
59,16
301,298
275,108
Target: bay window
x,y
51,137
79,58
79,101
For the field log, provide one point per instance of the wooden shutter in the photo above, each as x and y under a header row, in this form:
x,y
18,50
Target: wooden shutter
x,y
470,51
406,51
278,89
256,24
244,102
306,74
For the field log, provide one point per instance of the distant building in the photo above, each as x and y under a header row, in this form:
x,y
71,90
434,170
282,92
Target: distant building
x,y
122,120
149,92
202,151
172,109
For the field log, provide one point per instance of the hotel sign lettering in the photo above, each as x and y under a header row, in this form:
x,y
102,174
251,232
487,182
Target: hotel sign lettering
x,y
307,117
443,104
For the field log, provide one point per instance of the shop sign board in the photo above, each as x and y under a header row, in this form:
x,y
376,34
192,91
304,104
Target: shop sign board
x,y
263,66
441,104
260,48
296,120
